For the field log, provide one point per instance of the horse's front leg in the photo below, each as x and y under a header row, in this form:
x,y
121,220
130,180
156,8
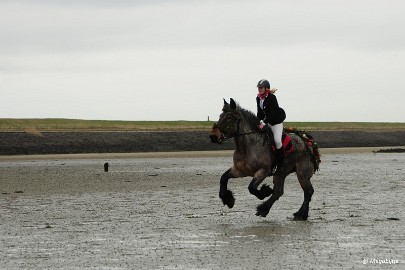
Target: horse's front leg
x,y
265,190
225,194
264,208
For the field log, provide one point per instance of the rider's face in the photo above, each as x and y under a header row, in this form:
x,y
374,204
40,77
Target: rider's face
x,y
261,89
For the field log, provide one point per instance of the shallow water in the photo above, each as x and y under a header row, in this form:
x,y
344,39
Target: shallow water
x,y
164,213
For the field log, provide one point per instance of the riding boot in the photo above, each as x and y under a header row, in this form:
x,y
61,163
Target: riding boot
x,y
280,157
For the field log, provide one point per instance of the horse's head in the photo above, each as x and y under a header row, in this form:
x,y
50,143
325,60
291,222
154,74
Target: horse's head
x,y
228,123
216,135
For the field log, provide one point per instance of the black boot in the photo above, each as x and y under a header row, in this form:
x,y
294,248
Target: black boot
x,y
280,157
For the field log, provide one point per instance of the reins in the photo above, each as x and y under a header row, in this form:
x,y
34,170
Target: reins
x,y
238,131
243,134
239,134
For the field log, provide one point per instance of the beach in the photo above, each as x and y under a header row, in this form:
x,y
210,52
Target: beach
x,y
162,211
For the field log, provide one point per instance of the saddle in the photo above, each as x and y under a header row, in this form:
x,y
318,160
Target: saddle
x,y
288,147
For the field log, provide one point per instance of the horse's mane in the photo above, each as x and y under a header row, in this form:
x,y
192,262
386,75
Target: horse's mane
x,y
249,116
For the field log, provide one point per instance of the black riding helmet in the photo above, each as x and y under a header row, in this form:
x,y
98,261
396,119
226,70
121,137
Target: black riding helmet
x,y
263,83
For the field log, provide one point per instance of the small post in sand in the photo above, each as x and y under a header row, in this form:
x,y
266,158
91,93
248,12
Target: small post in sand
x,y
106,167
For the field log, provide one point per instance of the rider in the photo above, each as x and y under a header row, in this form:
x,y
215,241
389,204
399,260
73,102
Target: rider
x,y
270,114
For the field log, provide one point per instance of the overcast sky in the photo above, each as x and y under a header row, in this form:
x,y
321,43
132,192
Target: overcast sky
x,y
332,60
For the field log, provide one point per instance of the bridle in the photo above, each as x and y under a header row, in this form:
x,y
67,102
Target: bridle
x,y
237,134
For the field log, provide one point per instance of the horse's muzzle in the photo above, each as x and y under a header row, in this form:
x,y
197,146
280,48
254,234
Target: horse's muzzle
x,y
216,139
216,135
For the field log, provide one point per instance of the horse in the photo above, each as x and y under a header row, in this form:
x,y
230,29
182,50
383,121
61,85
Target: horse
x,y
254,157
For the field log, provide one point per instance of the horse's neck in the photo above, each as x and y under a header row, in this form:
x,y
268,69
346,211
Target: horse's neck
x,y
245,127
246,144
247,138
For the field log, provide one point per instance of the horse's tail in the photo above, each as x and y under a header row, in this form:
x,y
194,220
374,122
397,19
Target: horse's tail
x,y
310,145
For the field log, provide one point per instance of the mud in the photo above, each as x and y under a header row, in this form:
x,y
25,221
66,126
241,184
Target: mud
x,y
163,212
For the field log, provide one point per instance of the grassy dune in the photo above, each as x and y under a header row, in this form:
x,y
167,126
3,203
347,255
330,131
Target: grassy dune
x,y
56,124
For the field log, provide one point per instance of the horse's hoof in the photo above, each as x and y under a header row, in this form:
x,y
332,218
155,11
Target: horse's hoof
x,y
266,190
231,203
300,216
228,199
262,211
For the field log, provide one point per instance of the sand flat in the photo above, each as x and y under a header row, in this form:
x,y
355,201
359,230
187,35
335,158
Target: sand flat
x,y
164,213
223,153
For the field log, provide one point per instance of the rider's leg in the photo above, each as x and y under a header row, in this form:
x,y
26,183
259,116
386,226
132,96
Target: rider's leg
x,y
278,133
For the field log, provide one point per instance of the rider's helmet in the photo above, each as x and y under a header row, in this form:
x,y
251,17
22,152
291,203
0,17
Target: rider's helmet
x,y
264,83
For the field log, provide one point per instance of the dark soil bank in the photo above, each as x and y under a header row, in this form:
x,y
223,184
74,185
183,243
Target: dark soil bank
x,y
20,143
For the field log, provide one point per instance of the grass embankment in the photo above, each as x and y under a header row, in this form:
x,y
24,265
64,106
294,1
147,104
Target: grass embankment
x,y
98,125
56,124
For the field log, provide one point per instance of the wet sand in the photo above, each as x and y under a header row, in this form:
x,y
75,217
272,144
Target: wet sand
x,y
162,211
184,154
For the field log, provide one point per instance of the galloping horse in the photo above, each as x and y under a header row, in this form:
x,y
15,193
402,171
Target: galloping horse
x,y
253,157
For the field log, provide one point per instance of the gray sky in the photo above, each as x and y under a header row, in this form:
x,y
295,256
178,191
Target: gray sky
x,y
332,60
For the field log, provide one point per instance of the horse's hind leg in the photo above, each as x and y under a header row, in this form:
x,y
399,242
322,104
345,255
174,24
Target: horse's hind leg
x,y
302,213
304,173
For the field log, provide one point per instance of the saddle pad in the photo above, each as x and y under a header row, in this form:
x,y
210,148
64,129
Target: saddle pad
x,y
287,144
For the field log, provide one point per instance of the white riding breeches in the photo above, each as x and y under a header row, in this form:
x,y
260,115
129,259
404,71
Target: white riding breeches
x,y
277,133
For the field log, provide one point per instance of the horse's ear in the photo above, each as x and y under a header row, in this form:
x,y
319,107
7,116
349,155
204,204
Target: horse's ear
x,y
233,104
225,103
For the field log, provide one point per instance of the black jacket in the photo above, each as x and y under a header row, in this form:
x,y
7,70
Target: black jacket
x,y
271,113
